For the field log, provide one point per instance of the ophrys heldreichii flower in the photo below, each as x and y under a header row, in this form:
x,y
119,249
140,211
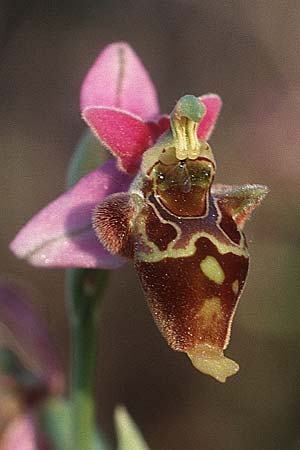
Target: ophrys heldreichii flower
x,y
157,206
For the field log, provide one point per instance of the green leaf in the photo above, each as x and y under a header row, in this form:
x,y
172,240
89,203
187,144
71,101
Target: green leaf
x,y
128,435
55,419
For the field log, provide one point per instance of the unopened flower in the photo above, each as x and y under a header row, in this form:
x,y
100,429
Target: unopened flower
x,y
157,205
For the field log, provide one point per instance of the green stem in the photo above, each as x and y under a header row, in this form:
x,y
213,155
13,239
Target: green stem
x,y
84,290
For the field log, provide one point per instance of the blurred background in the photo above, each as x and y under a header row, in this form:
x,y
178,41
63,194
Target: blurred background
x,y
248,53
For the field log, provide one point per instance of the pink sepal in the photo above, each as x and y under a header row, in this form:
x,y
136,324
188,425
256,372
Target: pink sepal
x,y
60,235
119,79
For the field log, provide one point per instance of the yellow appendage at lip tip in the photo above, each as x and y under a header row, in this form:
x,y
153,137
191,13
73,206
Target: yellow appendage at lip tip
x,y
211,361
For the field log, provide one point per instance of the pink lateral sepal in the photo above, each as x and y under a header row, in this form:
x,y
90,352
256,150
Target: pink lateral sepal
x,y
119,79
61,234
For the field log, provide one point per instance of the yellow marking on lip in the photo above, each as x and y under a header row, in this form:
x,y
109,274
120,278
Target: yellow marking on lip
x,y
156,255
189,250
212,269
211,312
235,286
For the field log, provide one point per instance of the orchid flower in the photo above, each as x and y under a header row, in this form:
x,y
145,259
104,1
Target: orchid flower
x,y
119,103
156,204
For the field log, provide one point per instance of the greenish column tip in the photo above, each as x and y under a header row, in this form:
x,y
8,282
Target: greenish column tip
x,y
185,119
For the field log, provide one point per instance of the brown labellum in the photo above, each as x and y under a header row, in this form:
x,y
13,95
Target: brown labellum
x,y
185,236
